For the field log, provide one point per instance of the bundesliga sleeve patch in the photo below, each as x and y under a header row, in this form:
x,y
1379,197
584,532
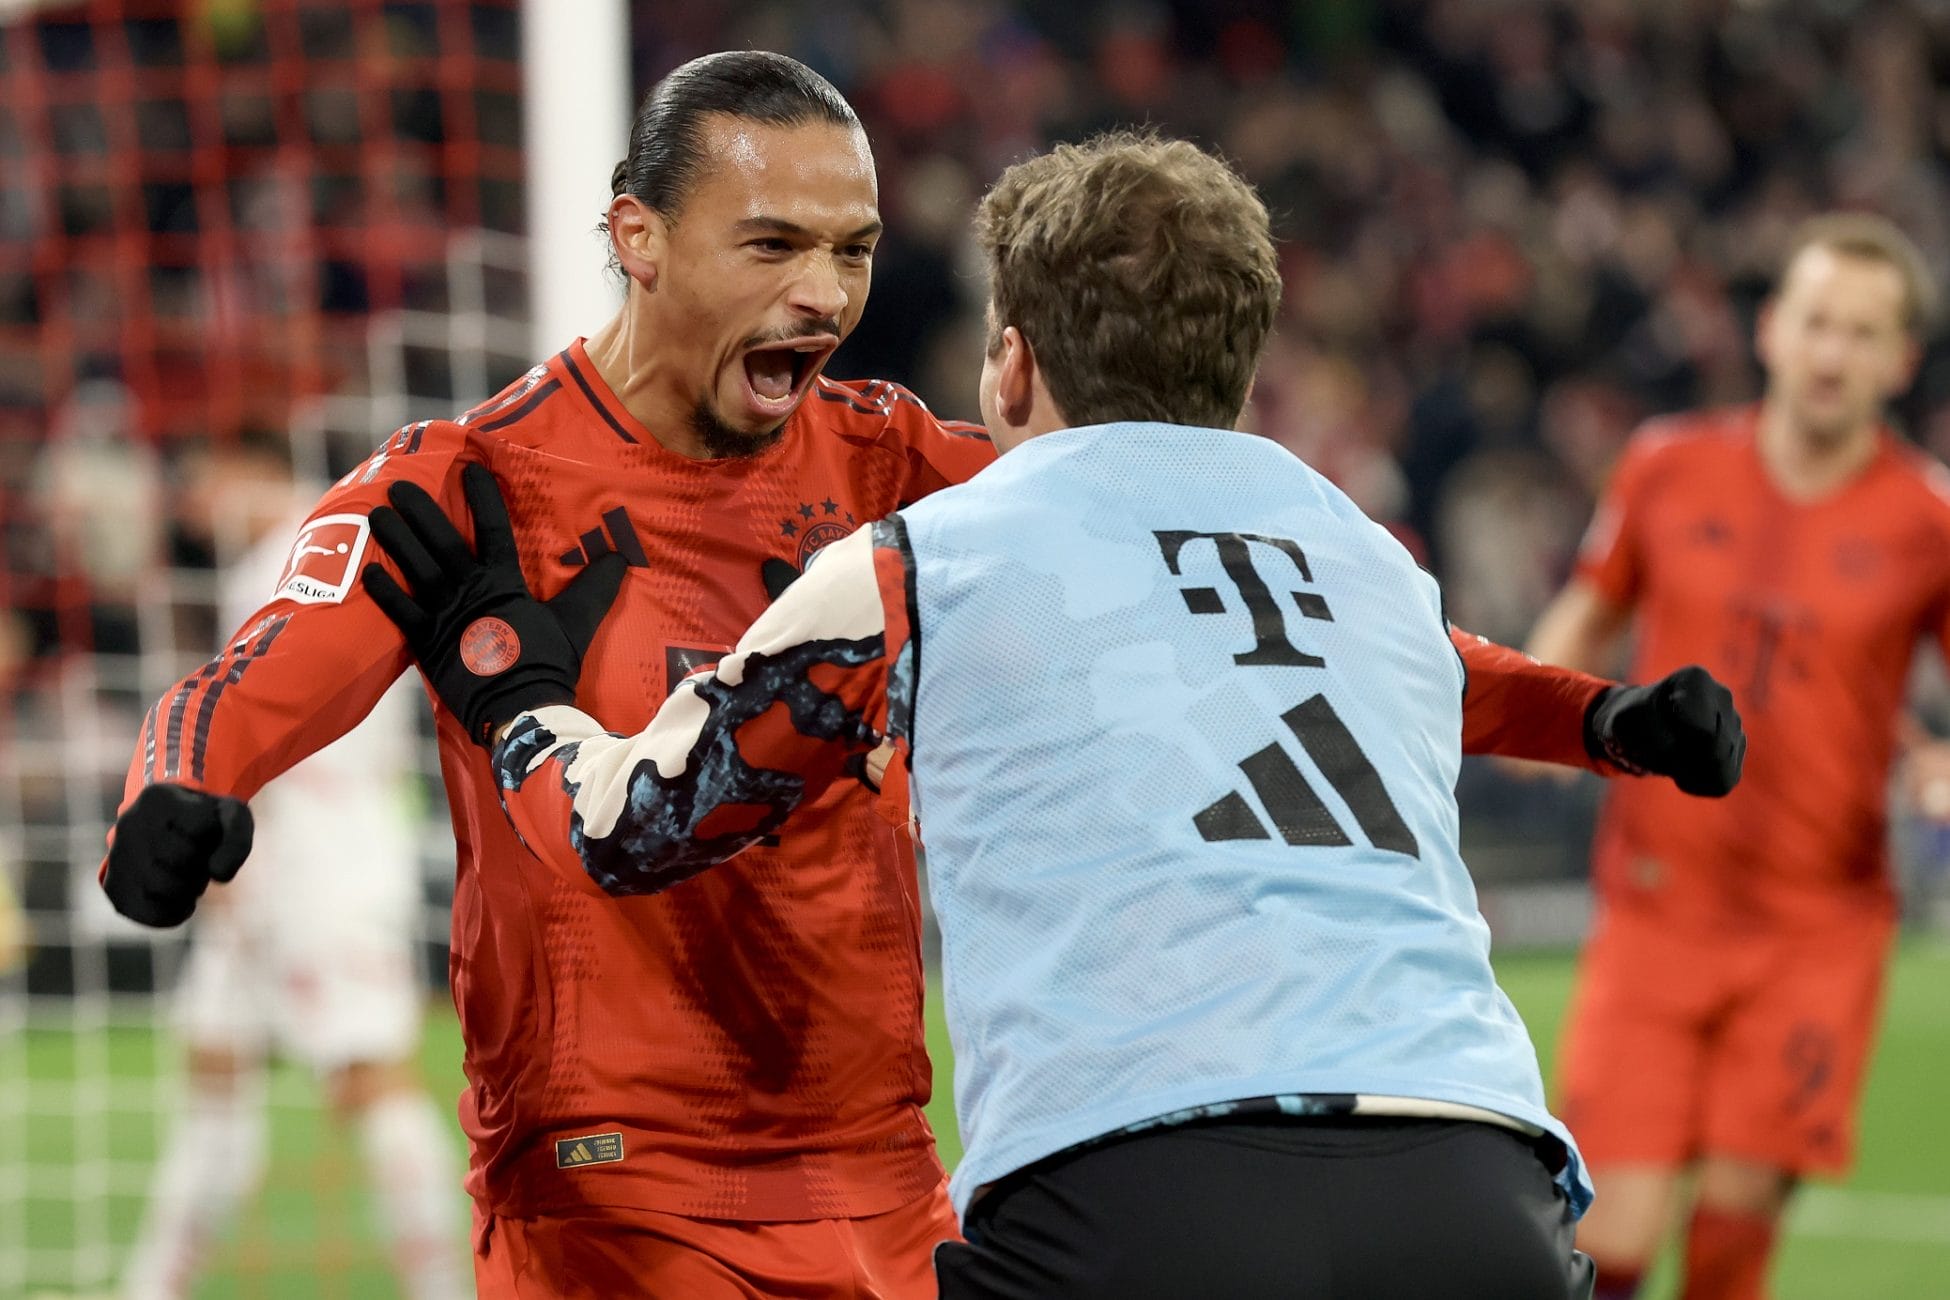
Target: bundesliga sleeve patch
x,y
324,561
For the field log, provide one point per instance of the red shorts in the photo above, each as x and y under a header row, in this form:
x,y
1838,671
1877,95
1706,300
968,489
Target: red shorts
x,y
619,1253
1752,1046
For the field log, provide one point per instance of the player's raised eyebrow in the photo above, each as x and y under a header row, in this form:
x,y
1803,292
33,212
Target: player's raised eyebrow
x,y
780,226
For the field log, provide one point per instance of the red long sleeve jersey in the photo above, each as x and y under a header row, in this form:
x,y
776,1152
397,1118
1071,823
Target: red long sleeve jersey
x,y
1811,612
749,1044
754,1039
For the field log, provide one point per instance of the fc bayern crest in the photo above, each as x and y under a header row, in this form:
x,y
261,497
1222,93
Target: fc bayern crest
x,y
489,646
816,525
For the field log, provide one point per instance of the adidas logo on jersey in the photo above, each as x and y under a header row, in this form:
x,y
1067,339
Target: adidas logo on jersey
x,y
595,1149
1297,812
621,538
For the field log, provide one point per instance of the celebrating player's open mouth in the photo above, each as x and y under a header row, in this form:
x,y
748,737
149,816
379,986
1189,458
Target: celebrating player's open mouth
x,y
777,372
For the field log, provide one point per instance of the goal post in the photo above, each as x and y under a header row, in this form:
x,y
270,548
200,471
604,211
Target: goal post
x,y
575,67
218,221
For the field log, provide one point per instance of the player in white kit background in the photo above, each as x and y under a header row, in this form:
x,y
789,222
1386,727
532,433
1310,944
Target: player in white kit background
x,y
309,956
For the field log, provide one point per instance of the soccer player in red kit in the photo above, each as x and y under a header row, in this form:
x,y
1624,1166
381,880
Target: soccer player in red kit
x,y
718,1091
1728,994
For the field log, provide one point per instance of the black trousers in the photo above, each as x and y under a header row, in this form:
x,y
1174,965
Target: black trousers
x,y
1321,1208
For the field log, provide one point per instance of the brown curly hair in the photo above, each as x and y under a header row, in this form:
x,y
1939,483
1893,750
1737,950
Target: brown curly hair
x,y
1140,269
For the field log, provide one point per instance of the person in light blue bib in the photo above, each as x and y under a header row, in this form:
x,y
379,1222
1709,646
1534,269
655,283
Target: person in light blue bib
x,y
1181,730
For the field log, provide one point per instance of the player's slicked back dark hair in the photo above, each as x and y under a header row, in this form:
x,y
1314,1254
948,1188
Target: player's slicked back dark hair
x,y
666,139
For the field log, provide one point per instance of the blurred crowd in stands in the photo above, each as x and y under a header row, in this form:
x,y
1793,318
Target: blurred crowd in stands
x,y
203,209
1511,229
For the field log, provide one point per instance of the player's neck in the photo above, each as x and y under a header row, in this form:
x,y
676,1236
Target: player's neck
x,y
627,363
1806,467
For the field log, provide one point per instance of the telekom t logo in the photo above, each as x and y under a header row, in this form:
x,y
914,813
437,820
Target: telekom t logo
x,y
1271,648
1293,808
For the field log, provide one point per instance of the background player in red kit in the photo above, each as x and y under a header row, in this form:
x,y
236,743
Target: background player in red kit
x,y
1729,991
718,1091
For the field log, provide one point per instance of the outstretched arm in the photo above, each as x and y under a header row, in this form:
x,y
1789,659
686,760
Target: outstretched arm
x,y
1516,707
731,753
1683,726
728,757
297,674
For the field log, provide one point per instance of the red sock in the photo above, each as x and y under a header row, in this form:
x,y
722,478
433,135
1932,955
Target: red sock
x,y
1727,1253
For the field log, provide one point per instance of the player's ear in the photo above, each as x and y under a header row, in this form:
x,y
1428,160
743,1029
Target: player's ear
x,y
1763,331
640,238
1909,362
1015,378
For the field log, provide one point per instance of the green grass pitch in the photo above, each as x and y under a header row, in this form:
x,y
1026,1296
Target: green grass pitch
x,y
1885,1232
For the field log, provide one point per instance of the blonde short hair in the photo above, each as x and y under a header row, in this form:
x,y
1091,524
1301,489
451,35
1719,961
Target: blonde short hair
x,y
1875,239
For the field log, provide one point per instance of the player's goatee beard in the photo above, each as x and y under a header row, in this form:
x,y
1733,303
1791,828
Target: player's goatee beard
x,y
722,442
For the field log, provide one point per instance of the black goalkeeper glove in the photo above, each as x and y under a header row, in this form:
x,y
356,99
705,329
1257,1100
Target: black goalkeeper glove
x,y
169,844
491,650
1683,726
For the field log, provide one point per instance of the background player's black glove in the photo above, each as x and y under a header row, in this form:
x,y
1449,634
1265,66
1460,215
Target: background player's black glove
x,y
491,650
170,843
1683,726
